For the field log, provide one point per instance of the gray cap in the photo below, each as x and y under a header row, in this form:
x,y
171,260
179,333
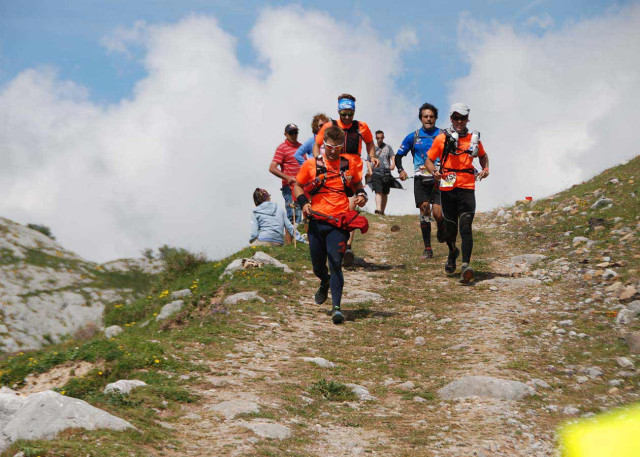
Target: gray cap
x,y
459,108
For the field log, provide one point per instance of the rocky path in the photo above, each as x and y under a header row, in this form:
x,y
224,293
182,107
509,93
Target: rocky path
x,y
396,352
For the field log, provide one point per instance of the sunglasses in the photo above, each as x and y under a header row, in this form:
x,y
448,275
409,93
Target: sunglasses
x,y
330,147
459,118
346,114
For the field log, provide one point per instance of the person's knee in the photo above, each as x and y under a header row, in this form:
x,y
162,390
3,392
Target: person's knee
x,y
425,208
466,221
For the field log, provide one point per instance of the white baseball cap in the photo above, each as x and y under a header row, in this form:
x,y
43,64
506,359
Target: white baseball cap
x,y
459,108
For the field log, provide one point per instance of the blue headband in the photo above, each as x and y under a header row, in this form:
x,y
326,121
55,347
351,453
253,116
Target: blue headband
x,y
346,103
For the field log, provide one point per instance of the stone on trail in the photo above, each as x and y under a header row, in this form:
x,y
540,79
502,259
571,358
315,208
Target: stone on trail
x,y
625,317
539,383
409,385
570,410
123,386
184,293
44,414
267,428
267,259
324,363
609,274
359,296
233,408
526,259
602,202
361,392
419,341
112,331
593,372
624,362
169,309
243,296
627,293
485,386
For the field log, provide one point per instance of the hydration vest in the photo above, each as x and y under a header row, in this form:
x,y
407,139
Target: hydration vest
x,y
322,173
351,138
451,147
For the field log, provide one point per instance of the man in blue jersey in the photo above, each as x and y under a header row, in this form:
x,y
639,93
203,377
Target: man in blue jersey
x,y
425,187
305,151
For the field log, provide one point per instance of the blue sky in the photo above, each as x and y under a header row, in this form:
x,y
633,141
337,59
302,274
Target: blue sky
x,y
129,125
67,35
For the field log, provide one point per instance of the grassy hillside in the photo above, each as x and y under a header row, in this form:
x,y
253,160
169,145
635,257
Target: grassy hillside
x,y
427,329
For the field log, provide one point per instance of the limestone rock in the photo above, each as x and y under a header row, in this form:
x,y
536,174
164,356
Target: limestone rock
x,y
123,386
627,293
485,386
113,331
169,309
243,296
360,296
44,414
319,361
633,341
602,202
266,428
409,385
361,392
184,293
233,408
268,260
624,362
511,283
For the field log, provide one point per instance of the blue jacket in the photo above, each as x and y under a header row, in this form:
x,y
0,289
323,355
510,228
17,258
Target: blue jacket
x,y
305,151
268,223
420,149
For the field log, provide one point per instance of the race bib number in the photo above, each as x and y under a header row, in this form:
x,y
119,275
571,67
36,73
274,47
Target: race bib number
x,y
448,181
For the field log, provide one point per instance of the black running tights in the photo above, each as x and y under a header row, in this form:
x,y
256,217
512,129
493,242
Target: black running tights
x,y
458,209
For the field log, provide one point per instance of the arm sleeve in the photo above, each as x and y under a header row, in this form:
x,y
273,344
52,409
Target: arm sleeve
x,y
254,228
304,175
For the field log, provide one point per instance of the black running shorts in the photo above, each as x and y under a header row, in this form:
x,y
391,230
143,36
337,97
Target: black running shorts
x,y
423,190
379,184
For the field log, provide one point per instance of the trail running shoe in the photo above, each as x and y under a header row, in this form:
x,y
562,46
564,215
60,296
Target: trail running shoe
x,y
440,233
466,275
336,316
321,294
427,253
348,258
450,266
378,212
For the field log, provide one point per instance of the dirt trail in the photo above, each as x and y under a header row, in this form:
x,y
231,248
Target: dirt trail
x,y
476,336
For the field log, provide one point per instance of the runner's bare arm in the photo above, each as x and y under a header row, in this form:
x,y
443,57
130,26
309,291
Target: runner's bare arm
x,y
371,149
484,163
273,168
431,168
316,150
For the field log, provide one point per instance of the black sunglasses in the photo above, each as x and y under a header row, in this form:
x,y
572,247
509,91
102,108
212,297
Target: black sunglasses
x,y
459,118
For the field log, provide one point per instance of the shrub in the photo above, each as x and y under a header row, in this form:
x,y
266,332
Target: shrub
x,y
178,261
42,229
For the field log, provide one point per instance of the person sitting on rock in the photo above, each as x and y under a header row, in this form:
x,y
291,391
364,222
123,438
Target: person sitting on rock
x,y
269,221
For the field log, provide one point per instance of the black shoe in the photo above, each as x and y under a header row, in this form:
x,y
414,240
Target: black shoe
x,y
467,274
427,254
336,316
347,259
440,233
450,266
378,212
321,294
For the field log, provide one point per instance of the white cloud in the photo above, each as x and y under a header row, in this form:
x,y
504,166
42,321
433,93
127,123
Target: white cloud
x,y
544,21
177,161
554,109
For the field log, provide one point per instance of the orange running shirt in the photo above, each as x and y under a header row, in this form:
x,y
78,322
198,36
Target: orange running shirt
x,y
363,128
458,162
331,200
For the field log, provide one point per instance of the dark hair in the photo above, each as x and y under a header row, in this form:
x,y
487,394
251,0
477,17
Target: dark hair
x,y
260,196
316,122
349,96
379,131
428,106
335,134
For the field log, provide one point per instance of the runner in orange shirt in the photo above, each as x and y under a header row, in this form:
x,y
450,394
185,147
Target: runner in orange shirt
x,y
456,147
356,132
328,179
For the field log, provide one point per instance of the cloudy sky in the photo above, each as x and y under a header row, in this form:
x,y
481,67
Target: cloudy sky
x,y
131,125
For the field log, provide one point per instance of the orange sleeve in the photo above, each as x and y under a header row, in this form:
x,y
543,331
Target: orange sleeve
x,y
481,152
365,131
355,169
436,148
320,135
304,175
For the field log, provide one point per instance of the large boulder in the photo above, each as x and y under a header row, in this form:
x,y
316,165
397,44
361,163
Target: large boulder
x,y
45,414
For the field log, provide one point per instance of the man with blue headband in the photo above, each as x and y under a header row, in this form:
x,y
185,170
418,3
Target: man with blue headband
x,y
356,132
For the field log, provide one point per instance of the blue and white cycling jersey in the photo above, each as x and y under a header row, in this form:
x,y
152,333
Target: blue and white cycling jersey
x,y
419,147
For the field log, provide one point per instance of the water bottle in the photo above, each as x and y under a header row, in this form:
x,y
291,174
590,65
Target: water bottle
x,y
473,147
